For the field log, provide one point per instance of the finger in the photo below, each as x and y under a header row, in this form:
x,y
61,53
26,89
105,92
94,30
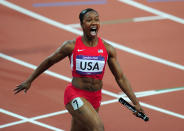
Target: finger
x,y
25,91
135,113
18,91
141,110
18,87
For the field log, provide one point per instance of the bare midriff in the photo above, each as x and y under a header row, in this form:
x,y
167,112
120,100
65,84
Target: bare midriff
x,y
87,83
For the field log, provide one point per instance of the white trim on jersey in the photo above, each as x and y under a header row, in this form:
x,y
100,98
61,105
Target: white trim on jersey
x,y
71,60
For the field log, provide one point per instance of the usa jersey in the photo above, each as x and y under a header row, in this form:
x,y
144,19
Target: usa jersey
x,y
88,61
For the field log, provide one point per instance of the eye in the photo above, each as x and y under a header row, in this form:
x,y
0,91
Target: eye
x,y
97,19
88,20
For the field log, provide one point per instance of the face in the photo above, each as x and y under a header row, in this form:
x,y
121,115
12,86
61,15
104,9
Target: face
x,y
91,24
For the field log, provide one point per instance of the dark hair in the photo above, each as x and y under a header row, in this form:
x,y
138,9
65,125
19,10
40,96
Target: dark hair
x,y
83,12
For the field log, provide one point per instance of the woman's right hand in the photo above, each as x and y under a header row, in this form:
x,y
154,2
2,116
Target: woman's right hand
x,y
22,87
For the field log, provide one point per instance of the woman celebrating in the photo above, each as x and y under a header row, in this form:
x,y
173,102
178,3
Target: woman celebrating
x,y
88,56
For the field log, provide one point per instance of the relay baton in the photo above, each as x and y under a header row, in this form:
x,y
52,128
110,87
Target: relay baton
x,y
132,108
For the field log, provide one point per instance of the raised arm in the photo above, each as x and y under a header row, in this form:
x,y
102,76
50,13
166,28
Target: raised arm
x,y
64,50
120,77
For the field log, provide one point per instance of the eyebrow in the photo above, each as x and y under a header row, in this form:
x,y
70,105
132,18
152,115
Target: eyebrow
x,y
87,16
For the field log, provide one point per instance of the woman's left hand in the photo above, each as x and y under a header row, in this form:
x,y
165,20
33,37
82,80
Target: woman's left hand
x,y
138,109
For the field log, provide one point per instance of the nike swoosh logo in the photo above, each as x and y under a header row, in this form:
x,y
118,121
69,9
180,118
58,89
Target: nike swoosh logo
x,y
80,50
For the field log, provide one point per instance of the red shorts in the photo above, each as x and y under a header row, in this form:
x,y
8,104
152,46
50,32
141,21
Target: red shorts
x,y
72,92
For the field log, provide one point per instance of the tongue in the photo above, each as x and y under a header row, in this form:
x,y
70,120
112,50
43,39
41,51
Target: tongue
x,y
93,33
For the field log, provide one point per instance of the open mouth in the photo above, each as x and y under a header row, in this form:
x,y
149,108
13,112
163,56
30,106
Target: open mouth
x,y
93,30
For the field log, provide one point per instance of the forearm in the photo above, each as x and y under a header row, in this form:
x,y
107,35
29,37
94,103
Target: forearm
x,y
40,69
119,76
126,88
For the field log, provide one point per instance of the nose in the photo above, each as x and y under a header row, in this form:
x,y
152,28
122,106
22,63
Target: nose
x,y
94,22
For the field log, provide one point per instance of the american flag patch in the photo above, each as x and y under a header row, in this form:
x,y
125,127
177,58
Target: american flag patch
x,y
100,51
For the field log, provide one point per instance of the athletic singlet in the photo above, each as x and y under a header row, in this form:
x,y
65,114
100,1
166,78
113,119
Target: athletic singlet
x,y
88,61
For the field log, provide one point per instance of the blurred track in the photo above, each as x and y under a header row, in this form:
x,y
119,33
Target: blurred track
x,y
151,57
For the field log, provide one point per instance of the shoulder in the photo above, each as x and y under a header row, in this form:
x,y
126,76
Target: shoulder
x,y
67,47
68,44
110,49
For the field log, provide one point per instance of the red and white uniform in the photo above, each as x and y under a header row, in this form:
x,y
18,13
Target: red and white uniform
x,y
88,61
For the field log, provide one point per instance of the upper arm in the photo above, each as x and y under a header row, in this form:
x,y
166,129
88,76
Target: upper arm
x,y
63,51
113,62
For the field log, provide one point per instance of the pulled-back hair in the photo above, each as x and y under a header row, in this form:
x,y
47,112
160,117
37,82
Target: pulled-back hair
x,y
83,12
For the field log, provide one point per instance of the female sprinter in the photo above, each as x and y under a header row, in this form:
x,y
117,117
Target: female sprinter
x,y
88,55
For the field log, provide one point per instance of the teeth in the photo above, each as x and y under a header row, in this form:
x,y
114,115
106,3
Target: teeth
x,y
93,28
93,33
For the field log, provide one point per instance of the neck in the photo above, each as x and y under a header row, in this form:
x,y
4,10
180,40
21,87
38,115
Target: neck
x,y
90,41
